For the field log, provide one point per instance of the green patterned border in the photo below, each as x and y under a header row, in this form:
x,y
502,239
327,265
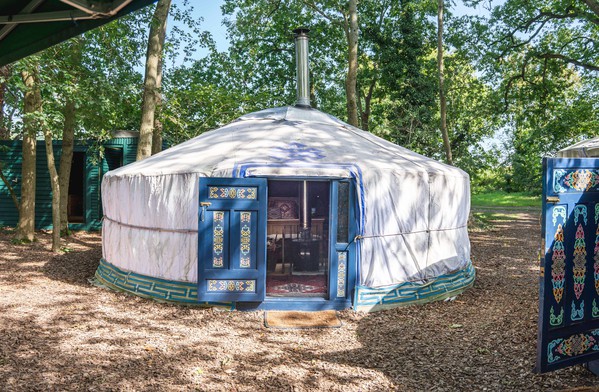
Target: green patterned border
x,y
149,287
371,299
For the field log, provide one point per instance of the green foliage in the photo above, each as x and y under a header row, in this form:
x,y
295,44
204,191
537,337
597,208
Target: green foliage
x,y
541,57
504,199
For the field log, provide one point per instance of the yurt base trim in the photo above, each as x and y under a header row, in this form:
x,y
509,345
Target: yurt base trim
x,y
445,286
162,290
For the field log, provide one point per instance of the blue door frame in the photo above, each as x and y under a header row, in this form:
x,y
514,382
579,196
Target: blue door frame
x,y
568,329
342,259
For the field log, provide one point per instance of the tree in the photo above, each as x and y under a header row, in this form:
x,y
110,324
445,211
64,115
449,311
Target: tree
x,y
4,76
31,107
442,101
153,78
542,57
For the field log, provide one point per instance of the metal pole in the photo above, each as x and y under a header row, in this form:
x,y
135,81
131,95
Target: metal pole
x,y
302,71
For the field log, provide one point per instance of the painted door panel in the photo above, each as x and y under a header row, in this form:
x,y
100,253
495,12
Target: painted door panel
x,y
569,285
232,239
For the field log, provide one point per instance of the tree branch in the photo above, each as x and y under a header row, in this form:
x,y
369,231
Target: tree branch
x,y
593,5
589,67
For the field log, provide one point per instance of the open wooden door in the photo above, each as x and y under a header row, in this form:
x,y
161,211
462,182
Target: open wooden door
x,y
232,239
569,287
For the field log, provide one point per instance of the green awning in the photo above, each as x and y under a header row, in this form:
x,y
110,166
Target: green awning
x,y
29,26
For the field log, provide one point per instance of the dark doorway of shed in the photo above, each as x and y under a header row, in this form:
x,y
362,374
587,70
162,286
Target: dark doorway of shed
x,y
298,239
75,202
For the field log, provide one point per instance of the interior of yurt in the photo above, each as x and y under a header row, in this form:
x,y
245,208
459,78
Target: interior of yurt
x,y
287,208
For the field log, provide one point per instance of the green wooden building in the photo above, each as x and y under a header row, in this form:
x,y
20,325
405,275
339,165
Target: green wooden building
x,y
84,201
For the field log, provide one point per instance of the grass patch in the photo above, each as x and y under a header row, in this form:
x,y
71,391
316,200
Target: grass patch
x,y
504,199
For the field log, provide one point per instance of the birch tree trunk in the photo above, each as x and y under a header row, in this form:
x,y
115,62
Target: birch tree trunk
x,y
55,190
443,103
66,161
32,104
151,83
352,70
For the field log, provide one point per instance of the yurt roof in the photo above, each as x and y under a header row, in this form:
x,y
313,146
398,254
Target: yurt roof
x,y
284,135
586,148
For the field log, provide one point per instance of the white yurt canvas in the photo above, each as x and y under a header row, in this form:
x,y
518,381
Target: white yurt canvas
x,y
584,149
339,218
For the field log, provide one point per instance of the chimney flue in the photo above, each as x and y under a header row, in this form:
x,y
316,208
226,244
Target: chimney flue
x,y
301,61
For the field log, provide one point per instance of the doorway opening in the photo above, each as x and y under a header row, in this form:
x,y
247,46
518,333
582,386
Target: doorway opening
x,y
76,198
298,239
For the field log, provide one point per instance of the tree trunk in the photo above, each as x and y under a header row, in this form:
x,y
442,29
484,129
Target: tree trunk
x,y
443,103
4,73
55,190
352,70
32,103
66,160
157,134
365,113
151,86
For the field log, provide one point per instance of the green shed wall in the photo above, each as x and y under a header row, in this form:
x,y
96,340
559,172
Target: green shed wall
x,y
11,158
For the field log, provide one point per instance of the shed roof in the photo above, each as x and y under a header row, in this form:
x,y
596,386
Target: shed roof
x,y
27,27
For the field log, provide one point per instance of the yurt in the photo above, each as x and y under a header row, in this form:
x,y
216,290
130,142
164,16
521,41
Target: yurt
x,y
287,208
584,149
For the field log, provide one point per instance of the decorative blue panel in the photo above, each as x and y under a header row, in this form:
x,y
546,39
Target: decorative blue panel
x,y
232,286
232,192
569,285
245,239
218,238
576,180
232,239
341,273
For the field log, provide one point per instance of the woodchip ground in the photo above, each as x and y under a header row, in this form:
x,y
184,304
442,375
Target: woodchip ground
x,y
58,332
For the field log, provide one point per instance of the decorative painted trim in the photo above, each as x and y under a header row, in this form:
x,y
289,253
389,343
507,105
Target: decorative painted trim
x,y
554,320
580,209
117,279
233,192
559,211
577,314
572,346
558,264
231,286
596,255
245,239
579,262
341,273
444,286
218,235
575,180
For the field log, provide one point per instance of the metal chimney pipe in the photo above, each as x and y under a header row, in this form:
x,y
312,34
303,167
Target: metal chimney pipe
x,y
302,72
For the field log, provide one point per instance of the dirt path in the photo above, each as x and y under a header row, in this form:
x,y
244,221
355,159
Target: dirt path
x,y
57,332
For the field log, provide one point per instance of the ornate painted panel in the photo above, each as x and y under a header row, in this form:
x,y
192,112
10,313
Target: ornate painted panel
x,y
232,192
245,239
218,238
576,180
341,273
569,285
232,286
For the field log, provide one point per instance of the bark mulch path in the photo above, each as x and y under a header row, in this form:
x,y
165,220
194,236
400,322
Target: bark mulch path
x,y
58,332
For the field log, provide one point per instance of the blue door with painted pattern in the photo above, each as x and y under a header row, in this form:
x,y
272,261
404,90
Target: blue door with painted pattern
x,y
232,239
569,286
